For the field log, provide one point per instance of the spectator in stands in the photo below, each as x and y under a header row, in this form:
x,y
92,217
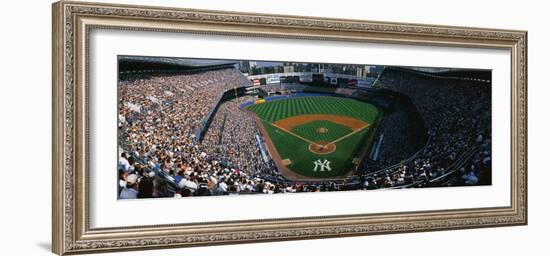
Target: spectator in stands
x,y
130,190
457,114
146,186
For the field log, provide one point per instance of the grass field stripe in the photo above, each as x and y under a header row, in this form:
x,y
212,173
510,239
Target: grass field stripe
x,y
348,106
338,106
274,111
355,110
282,110
309,105
329,108
265,110
349,134
352,108
312,106
269,111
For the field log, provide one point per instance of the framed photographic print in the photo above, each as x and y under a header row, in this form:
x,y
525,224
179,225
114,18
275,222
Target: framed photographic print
x,y
178,127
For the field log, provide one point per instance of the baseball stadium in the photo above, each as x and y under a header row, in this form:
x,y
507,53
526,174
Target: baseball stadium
x,y
202,127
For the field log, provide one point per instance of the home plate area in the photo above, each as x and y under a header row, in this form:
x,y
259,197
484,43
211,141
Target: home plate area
x,y
322,147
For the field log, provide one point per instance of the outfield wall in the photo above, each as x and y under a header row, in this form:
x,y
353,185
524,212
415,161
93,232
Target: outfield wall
x,y
307,77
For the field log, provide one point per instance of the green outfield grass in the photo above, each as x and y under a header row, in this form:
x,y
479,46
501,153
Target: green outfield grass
x,y
297,149
272,111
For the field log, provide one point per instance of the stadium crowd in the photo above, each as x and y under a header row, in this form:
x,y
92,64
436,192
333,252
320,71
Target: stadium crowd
x,y
232,138
457,114
158,121
396,129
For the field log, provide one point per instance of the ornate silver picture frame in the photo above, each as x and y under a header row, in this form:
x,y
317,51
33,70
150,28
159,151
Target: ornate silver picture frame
x,y
72,24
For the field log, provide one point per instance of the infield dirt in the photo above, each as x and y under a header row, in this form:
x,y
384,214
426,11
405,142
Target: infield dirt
x,y
294,121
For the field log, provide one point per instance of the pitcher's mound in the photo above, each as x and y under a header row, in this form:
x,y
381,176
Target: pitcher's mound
x,y
321,148
322,130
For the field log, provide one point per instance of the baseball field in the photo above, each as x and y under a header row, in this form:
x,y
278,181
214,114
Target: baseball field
x,y
316,137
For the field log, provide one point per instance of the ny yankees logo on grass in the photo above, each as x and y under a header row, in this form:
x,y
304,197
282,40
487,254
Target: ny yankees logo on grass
x,y
325,164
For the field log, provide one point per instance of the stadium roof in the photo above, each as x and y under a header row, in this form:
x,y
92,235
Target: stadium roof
x,y
133,63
